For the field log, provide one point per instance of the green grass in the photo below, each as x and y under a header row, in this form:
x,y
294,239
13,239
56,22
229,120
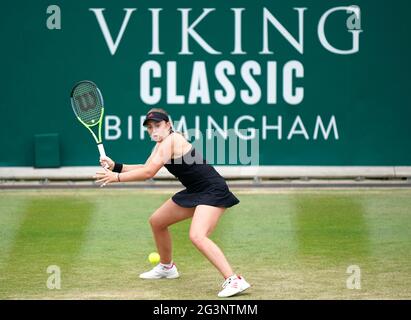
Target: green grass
x,y
294,244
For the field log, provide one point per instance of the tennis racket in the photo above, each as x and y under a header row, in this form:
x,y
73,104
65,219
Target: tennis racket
x,y
88,106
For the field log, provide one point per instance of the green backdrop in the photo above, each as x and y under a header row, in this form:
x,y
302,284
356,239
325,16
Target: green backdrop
x,y
366,93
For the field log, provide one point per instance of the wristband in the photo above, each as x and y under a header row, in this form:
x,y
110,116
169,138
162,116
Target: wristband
x,y
118,167
118,176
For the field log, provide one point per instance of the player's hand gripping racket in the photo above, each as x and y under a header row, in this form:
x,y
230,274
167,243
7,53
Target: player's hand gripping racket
x,y
88,106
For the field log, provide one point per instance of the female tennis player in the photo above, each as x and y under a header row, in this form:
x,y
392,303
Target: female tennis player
x,y
204,200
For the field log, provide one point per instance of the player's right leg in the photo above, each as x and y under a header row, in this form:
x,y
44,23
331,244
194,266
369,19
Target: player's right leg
x,y
168,214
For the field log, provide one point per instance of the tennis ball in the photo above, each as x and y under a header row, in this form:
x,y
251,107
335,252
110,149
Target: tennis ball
x,y
154,258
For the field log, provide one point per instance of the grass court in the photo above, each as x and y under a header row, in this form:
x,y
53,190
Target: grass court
x,y
289,244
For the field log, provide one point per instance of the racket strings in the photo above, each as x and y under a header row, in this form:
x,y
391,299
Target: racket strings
x,y
88,103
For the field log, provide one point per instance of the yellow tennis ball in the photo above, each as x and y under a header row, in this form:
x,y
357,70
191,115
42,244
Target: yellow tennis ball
x,y
154,258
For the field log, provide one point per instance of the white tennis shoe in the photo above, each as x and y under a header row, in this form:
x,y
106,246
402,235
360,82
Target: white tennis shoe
x,y
233,285
160,271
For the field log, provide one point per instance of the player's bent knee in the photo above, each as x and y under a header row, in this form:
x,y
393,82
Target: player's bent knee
x,y
155,222
197,238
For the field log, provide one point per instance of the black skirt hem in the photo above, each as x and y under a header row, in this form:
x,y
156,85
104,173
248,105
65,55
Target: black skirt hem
x,y
187,199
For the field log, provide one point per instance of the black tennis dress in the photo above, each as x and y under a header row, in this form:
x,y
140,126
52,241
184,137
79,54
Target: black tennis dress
x,y
204,185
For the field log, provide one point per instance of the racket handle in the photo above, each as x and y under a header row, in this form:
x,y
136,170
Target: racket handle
x,y
101,150
102,153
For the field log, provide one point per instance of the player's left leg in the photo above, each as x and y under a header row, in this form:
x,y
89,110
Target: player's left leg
x,y
204,221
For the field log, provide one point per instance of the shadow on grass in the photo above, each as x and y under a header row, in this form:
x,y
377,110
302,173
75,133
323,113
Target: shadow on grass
x,y
51,233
